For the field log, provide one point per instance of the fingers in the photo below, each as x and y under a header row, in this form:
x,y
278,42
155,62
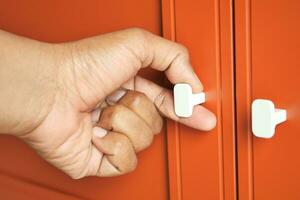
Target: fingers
x,y
119,155
132,120
202,119
140,104
109,154
121,119
136,120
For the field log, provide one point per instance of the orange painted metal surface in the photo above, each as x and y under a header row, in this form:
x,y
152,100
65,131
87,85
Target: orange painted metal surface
x,y
200,165
58,21
268,66
243,96
174,167
13,188
228,99
196,159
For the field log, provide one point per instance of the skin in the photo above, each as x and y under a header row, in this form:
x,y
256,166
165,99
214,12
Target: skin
x,y
82,107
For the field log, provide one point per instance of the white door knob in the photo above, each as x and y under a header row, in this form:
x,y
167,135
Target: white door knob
x,y
265,117
185,100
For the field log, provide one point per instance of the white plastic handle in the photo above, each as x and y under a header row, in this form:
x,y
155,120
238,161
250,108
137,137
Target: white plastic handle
x,y
265,118
185,100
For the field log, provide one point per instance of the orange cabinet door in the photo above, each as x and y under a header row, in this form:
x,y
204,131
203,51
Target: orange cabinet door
x,y
268,66
182,163
202,164
23,175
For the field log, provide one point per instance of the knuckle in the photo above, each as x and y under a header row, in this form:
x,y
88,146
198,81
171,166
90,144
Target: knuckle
x,y
141,95
183,50
117,108
160,100
123,142
135,98
140,38
139,35
108,117
148,140
159,124
76,176
133,165
138,32
145,140
111,112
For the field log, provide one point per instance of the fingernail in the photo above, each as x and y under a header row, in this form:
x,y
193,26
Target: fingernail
x,y
99,132
95,115
115,97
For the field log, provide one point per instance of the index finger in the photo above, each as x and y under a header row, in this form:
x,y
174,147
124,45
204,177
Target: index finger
x,y
173,59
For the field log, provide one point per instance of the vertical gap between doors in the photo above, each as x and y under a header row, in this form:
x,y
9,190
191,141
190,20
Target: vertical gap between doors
x,y
235,97
165,121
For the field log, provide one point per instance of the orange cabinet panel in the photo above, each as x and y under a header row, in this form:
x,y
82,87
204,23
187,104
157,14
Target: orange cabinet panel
x,y
56,21
268,66
201,164
16,189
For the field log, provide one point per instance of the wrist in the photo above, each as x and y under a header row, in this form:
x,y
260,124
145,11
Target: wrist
x,y
27,83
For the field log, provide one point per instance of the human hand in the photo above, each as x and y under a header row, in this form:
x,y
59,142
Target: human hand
x,y
92,113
